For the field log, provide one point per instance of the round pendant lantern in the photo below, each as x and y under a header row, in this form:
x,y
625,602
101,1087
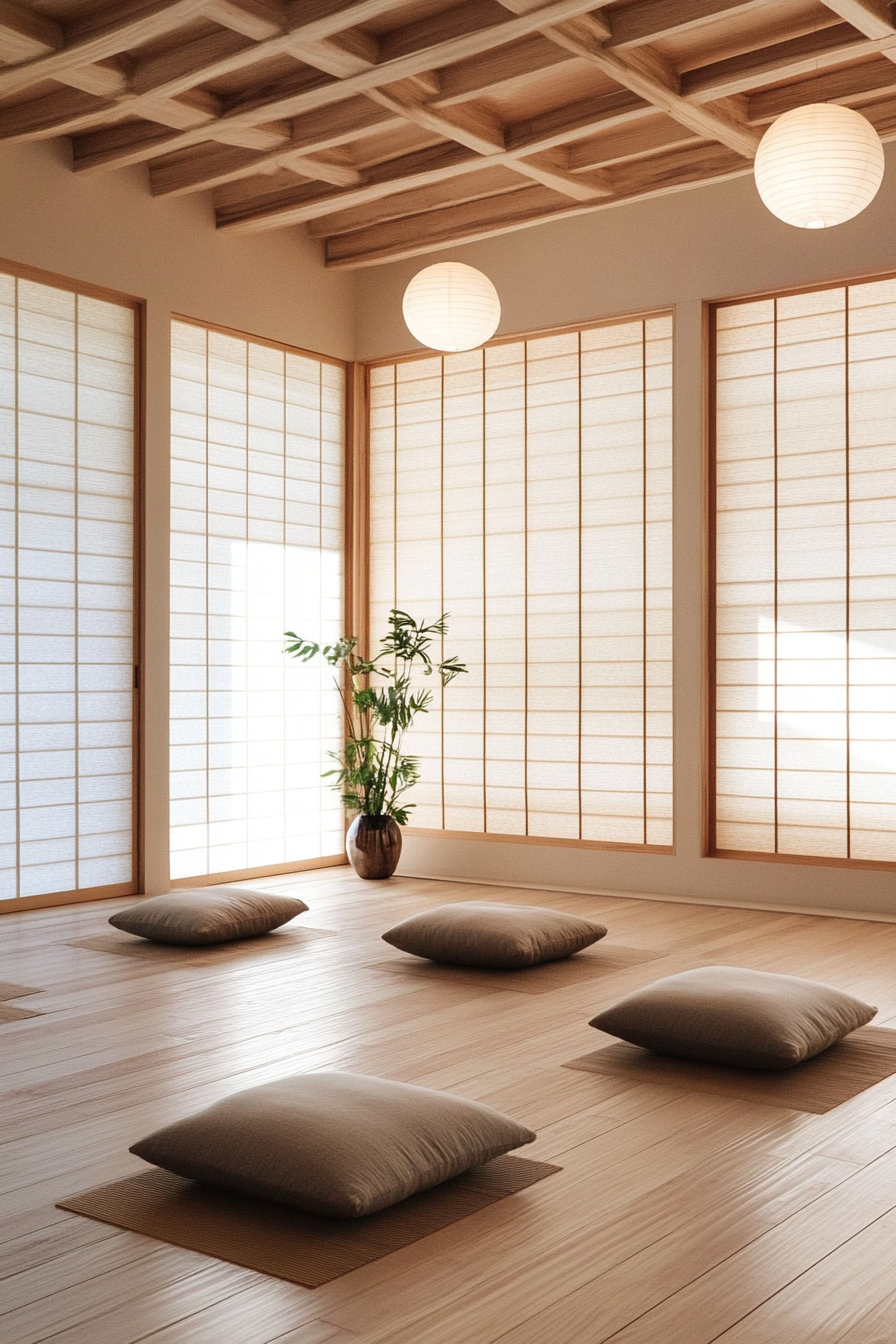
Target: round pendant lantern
x,y
451,306
819,165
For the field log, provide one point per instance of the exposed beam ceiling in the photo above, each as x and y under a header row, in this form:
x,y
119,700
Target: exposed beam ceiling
x,y
391,128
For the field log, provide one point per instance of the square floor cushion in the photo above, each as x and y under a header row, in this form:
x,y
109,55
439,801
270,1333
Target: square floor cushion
x,y
208,915
483,933
728,1015
341,1144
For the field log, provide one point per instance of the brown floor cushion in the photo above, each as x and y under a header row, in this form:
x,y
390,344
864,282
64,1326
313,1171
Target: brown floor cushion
x,y
208,915
342,1144
733,1016
485,933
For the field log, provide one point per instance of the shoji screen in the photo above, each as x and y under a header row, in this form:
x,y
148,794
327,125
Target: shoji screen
x,y
526,490
256,545
67,665
806,575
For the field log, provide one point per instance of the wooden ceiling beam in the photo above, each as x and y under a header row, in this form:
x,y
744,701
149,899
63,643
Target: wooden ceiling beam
x,y
641,21
257,19
347,54
643,73
499,71
534,205
279,209
635,141
473,127
852,85
147,24
874,18
321,169
491,182
551,169
783,60
52,115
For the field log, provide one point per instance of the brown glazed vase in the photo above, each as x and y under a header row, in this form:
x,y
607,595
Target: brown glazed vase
x,y
373,846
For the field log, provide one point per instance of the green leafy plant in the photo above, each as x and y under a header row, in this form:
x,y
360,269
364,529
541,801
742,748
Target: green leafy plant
x,y
372,772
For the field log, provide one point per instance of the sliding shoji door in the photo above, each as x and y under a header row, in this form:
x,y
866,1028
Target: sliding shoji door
x,y
525,489
256,546
67,452
805,567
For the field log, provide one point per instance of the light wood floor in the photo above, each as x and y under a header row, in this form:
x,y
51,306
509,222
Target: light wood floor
x,y
677,1218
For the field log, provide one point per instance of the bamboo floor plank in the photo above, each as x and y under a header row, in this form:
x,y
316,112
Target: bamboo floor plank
x,y
831,1297
677,1218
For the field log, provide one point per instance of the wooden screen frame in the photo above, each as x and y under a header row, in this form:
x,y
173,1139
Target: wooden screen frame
x,y
138,308
362,542
352,581
709,846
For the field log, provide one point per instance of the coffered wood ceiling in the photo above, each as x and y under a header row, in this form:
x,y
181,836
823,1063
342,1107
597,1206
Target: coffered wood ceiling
x,y
392,129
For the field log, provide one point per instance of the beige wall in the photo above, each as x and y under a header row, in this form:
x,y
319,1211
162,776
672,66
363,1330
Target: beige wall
x,y
106,229
675,251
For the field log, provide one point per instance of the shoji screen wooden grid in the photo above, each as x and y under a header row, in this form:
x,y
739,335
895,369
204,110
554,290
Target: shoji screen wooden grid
x,y
67,450
526,489
805,566
256,545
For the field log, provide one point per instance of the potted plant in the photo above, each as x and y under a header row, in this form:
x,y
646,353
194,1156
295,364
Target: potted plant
x,y
373,774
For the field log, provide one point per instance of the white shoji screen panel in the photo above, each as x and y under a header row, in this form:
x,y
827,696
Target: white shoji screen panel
x,y
526,490
67,460
806,574
256,546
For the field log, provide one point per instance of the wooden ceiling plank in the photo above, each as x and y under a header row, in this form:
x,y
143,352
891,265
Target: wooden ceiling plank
x,y
882,116
43,117
564,125
851,85
630,142
332,92
783,60
871,17
631,70
325,18
25,35
257,19
642,21
499,70
489,183
468,223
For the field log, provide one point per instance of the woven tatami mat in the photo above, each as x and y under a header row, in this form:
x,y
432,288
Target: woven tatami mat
x,y
827,1080
126,945
590,965
280,1241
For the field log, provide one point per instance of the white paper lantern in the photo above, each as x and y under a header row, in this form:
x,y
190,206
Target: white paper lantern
x,y
819,165
451,306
